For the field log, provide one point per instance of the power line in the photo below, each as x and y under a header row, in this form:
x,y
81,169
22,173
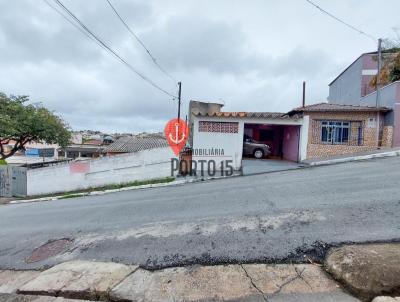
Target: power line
x,y
343,22
140,42
68,20
109,49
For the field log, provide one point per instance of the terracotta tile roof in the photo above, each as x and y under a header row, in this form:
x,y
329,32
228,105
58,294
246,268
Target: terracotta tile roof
x,y
326,107
246,114
136,143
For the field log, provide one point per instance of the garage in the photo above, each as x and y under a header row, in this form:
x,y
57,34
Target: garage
x,y
282,140
269,148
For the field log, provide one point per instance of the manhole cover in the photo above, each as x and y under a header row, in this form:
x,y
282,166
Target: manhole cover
x,y
49,249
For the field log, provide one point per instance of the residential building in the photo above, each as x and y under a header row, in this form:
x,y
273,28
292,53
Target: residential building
x,y
336,129
219,135
354,86
314,131
356,81
33,152
75,151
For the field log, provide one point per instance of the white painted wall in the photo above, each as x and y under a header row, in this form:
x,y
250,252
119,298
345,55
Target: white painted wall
x,y
232,143
142,165
304,138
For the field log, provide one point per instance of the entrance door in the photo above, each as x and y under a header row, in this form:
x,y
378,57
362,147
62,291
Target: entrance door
x,y
290,148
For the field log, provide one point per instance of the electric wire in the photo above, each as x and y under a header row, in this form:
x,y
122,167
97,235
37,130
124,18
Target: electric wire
x,y
343,22
109,49
141,42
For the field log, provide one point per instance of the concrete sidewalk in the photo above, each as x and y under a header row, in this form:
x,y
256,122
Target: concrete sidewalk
x,y
366,271
259,166
99,281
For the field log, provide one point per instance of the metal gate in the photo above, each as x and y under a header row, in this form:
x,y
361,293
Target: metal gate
x,y
12,181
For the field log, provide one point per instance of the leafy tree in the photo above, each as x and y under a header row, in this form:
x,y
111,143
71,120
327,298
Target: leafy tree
x,y
395,72
21,123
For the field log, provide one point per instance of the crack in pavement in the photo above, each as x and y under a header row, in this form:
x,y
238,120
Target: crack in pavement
x,y
298,275
253,284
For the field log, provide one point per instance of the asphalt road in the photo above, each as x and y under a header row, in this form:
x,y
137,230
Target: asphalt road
x,y
270,217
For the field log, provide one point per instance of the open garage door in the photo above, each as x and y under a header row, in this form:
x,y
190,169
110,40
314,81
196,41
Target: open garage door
x,y
282,140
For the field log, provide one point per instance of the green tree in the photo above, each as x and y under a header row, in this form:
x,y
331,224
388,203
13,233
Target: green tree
x,y
395,72
21,123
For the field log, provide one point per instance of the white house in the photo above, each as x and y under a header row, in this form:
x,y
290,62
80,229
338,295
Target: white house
x,y
219,136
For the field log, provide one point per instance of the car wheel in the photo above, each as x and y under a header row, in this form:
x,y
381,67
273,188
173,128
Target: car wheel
x,y
258,153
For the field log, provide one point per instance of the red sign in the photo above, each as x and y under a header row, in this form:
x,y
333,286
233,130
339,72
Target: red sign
x,y
79,167
176,132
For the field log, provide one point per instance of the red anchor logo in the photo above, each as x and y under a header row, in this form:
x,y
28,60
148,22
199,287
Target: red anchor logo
x,y
176,132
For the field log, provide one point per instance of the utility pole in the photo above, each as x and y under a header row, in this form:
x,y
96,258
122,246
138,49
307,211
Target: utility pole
x,y
304,94
179,100
378,92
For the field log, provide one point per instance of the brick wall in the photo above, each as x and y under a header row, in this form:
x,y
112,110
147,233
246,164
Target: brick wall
x,y
318,149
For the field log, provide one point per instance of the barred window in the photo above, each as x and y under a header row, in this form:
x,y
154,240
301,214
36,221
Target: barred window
x,y
335,132
221,127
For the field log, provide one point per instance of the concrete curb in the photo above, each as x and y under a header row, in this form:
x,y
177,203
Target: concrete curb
x,y
93,193
354,158
366,270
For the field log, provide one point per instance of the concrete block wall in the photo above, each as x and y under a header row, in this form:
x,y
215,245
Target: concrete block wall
x,y
142,165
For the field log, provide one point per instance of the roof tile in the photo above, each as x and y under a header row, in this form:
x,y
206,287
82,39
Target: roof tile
x,y
129,144
321,107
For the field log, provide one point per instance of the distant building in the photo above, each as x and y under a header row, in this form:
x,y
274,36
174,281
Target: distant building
x,y
76,138
75,151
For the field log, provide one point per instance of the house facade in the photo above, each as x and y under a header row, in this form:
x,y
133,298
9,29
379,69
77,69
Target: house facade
x,y
219,136
344,129
310,132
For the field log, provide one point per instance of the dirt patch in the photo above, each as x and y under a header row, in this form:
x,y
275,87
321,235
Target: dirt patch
x,y
49,249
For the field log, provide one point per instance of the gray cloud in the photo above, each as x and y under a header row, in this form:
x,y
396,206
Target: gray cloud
x,y
253,56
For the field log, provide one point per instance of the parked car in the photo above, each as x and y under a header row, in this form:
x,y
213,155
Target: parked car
x,y
255,148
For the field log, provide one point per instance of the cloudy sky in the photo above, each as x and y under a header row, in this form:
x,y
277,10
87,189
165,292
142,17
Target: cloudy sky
x,y
253,55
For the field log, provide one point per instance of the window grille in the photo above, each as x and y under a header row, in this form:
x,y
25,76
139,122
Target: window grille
x,y
220,127
338,132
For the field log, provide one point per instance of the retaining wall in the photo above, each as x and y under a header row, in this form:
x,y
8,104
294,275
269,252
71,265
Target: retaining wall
x,y
142,165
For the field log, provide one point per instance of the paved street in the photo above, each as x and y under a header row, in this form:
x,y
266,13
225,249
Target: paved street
x,y
269,217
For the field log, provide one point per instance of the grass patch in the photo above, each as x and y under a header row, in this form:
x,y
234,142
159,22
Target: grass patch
x,y
75,194
135,183
66,196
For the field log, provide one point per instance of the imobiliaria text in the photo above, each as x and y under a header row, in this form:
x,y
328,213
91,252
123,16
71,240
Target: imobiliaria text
x,y
177,132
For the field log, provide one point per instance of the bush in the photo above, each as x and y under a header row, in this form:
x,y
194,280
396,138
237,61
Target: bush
x,y
3,162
